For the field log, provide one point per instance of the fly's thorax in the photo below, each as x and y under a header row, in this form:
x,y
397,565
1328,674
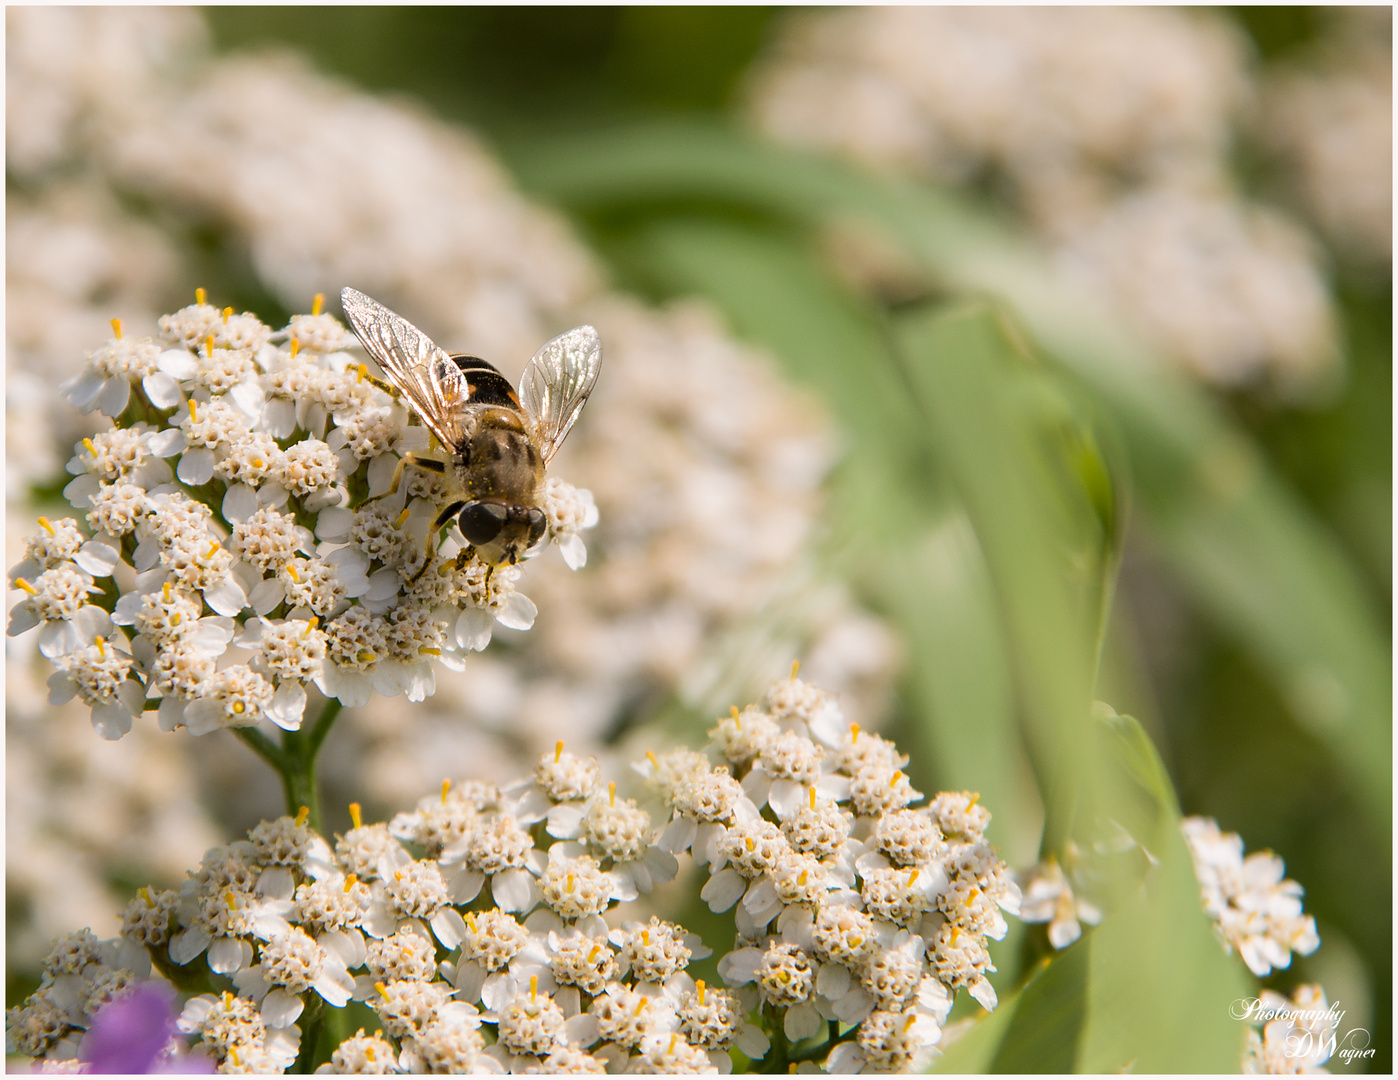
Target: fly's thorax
x,y
499,460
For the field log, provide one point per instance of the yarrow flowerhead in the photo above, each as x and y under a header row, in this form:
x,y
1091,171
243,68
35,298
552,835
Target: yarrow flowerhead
x,y
240,501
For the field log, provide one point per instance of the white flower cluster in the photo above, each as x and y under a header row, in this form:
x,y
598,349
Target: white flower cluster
x,y
1255,908
852,905
80,975
1110,128
1297,1036
486,928
264,560
1333,123
1050,897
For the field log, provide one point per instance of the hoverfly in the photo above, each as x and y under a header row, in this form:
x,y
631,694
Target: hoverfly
x,y
497,443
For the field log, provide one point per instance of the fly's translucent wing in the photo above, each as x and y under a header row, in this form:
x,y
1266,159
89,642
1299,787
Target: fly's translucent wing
x,y
428,378
557,382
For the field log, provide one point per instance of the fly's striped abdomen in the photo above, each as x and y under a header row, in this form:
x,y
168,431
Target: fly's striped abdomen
x,y
488,386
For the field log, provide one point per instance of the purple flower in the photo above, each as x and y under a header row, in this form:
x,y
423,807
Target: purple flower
x,y
133,1034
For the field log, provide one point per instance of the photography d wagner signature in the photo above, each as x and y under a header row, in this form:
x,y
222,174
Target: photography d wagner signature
x,y
1315,1034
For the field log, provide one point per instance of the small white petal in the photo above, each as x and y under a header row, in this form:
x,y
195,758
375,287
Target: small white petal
x,y
288,706
196,466
116,392
266,595
248,396
82,392
383,584
518,612
97,558
802,1021
163,392
227,597
178,364
57,638
449,927
574,552
281,1010
513,890
112,720
240,503
187,944
333,523
228,955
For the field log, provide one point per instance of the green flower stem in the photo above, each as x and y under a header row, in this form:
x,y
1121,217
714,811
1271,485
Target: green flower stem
x,y
295,759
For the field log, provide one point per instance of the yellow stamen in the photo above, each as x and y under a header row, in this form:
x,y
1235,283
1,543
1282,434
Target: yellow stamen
x,y
971,896
802,879
533,987
737,717
398,522
317,302
227,995
954,935
699,989
233,1055
812,796
87,445
116,328
167,592
672,1044
20,583
750,844
144,892
397,875
209,345
381,988
428,650
570,883
795,667
239,707
226,312
230,898
853,734
213,546
200,296
311,624
975,798
295,347
471,918
366,656
611,792
645,937
47,527
558,752
193,413
363,372
101,644
291,573
912,876
446,787
355,819
592,956
893,780
642,1006
302,815
351,880
908,1024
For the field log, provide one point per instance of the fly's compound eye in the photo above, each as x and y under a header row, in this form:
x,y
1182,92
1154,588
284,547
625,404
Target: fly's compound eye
x,y
538,522
481,522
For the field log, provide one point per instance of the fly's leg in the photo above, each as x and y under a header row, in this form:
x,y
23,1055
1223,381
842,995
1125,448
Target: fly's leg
x,y
430,464
429,547
374,380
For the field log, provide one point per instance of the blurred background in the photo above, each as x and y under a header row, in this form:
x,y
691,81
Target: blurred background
x,y
1182,218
